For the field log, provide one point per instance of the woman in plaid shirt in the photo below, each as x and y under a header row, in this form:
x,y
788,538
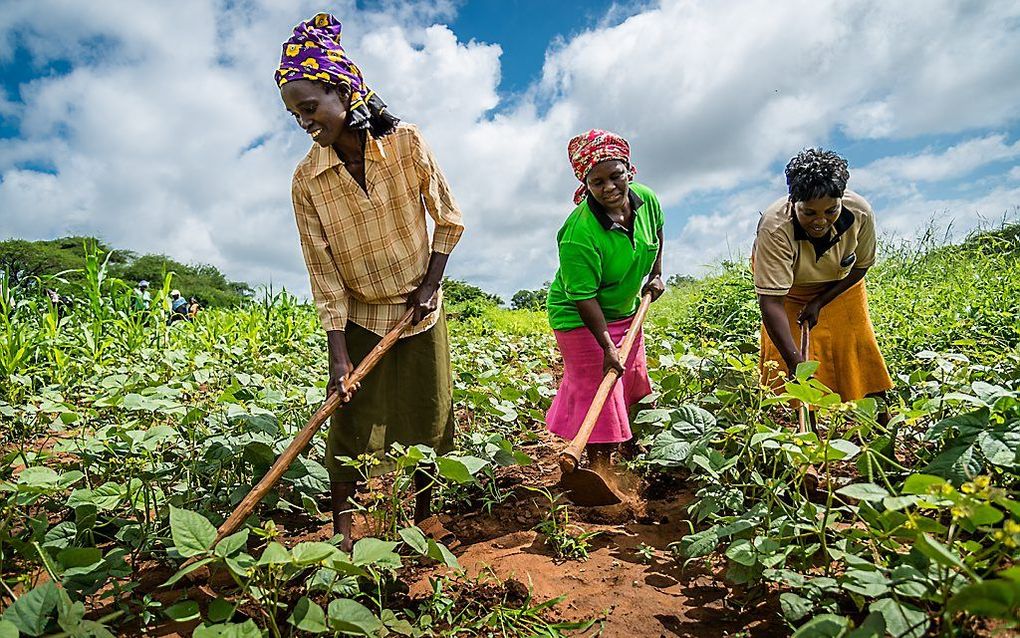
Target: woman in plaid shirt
x,y
361,196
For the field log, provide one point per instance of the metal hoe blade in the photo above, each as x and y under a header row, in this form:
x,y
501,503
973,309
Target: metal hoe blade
x,y
587,488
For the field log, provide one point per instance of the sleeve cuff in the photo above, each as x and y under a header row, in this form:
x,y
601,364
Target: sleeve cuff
x,y
771,292
575,297
332,319
445,238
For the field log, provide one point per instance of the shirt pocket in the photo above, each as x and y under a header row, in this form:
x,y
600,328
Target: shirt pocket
x,y
846,264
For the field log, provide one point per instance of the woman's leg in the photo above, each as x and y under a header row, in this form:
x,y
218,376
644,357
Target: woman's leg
x,y
342,502
422,495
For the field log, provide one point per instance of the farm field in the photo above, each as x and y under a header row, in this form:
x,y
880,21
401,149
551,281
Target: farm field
x,y
126,442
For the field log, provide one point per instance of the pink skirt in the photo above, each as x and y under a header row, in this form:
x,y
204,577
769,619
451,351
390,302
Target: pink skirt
x,y
582,374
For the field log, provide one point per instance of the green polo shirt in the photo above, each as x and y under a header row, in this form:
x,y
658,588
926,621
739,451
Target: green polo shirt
x,y
599,259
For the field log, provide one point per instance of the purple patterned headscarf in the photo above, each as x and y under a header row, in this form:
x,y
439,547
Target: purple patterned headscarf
x,y
313,52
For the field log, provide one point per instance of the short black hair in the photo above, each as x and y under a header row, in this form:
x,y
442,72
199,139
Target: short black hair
x,y
815,173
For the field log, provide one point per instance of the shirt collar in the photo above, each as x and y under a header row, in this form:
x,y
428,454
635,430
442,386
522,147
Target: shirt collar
x,y
602,216
324,157
823,244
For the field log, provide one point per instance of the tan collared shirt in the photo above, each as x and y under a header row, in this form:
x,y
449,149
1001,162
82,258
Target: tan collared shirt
x,y
367,251
784,255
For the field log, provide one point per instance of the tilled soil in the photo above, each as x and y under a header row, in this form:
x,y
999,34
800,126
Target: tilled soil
x,y
633,596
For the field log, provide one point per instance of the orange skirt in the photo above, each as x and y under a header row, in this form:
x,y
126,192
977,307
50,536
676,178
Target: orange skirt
x,y
843,342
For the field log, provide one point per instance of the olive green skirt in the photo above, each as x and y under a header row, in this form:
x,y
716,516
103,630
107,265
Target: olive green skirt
x,y
407,398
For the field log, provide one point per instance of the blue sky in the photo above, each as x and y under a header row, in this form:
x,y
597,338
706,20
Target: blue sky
x,y
157,126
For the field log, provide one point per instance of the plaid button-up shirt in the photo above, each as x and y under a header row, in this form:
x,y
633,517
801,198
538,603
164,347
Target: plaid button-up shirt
x,y
367,251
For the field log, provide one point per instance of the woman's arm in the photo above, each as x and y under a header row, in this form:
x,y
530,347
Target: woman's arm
x,y
327,288
595,320
773,315
442,207
809,313
340,365
424,299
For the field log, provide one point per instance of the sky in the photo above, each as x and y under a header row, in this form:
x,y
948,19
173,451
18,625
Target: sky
x,y
157,125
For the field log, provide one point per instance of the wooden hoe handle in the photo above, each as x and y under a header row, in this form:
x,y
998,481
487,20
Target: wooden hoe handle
x,y
245,507
803,412
571,455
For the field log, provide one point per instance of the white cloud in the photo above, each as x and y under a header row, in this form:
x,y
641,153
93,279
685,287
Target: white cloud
x,y
170,136
893,174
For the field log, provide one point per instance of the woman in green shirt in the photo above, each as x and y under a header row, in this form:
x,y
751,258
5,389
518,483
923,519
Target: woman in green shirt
x,y
610,252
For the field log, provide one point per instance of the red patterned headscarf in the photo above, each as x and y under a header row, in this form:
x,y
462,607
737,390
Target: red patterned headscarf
x,y
588,149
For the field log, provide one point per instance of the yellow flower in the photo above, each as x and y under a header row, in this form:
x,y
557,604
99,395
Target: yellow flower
x,y
293,50
982,482
311,63
1011,527
321,19
968,488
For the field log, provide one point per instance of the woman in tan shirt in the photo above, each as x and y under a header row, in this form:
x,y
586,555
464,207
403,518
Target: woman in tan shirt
x,y
812,251
361,196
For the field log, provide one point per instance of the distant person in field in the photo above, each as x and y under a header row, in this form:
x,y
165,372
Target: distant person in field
x,y
812,251
193,308
142,298
610,253
178,307
361,198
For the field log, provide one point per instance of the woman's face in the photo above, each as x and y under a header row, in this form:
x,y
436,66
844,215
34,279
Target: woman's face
x,y
608,184
321,110
816,216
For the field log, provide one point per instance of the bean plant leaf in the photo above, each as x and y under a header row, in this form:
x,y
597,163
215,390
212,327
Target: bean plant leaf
x,y
173,580
274,554
39,477
921,483
183,611
221,610
863,492
990,599
872,627
370,551
901,620
794,607
823,626
439,552
349,616
33,610
415,539
247,629
232,544
8,629
669,450
806,368
742,552
192,533
454,470
310,553
691,420
938,552
965,423
308,616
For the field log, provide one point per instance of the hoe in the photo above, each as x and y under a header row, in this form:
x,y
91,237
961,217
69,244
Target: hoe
x,y
587,487
245,507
